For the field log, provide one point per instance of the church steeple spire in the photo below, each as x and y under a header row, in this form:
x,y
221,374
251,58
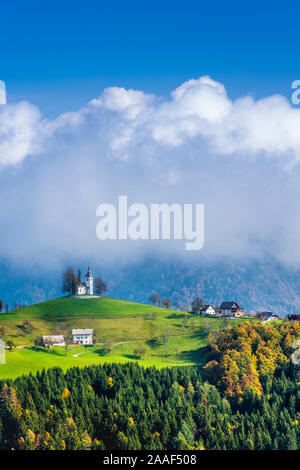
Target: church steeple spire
x,y
89,273
89,282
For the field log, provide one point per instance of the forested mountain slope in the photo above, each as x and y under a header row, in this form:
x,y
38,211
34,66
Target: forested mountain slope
x,y
263,284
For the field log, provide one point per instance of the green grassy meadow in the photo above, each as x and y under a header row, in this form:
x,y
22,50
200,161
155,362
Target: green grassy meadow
x,y
125,324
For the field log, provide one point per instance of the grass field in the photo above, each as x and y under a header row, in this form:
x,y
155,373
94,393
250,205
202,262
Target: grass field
x,y
180,352
125,324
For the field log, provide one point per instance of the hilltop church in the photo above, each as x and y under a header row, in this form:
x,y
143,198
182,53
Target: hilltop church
x,y
87,287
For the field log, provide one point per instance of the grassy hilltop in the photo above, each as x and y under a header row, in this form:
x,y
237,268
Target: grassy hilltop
x,y
126,325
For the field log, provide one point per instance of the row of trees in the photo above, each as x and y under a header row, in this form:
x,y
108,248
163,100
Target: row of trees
x,y
4,306
126,407
159,301
293,317
166,302
70,282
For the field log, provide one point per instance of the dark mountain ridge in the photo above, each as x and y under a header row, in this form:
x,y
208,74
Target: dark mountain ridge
x,y
255,285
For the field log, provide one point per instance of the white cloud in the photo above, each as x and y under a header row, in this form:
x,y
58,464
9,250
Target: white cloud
x,y
196,146
198,109
132,102
21,132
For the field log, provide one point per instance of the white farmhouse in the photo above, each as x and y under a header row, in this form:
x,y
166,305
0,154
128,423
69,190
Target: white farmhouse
x,y
208,309
87,287
83,336
231,309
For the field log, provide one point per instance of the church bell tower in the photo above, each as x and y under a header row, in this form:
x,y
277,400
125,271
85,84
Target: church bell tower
x,y
89,282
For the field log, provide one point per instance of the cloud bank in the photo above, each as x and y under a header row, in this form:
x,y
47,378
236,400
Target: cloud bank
x,y
240,158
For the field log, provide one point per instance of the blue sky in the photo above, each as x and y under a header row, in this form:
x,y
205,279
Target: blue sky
x,y
59,54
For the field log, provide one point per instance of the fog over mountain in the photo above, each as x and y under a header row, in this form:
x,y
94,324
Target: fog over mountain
x,y
240,158
255,285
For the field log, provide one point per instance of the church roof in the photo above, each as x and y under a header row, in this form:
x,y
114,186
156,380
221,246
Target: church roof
x,y
89,273
228,305
206,306
53,339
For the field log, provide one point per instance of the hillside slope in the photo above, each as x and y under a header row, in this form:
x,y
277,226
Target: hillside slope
x,y
168,337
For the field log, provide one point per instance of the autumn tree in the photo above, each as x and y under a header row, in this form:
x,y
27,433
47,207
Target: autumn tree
x,y
140,351
38,342
10,344
48,343
68,342
69,281
100,286
155,299
28,326
108,346
197,305
166,302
